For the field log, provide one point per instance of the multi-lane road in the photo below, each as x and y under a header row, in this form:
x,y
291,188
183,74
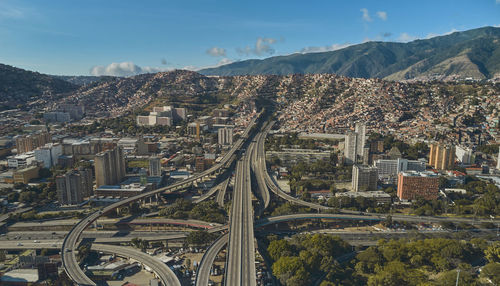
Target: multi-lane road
x,y
208,260
240,264
166,275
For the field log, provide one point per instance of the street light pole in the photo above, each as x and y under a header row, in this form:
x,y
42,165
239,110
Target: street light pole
x,y
458,275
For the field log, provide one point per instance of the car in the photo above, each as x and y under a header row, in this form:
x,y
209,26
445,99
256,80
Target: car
x,y
36,241
19,244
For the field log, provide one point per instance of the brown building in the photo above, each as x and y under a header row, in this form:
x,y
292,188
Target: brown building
x,y
31,142
441,157
413,185
199,165
109,167
26,174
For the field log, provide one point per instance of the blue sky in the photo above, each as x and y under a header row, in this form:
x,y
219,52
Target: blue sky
x,y
126,37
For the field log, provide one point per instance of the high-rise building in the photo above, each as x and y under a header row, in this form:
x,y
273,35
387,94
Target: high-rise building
x,y
155,166
49,154
413,185
225,136
360,129
109,167
464,155
498,159
73,186
350,147
31,142
388,170
364,178
441,157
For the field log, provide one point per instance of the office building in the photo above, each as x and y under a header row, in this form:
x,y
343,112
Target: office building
x,y
73,186
155,166
441,157
25,175
48,154
225,136
388,170
350,147
109,167
464,155
413,185
56,116
162,115
31,142
22,160
364,178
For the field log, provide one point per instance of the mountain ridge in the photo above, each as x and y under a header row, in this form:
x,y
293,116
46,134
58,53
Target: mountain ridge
x,y
387,59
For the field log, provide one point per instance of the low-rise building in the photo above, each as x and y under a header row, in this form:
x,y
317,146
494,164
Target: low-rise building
x,y
379,196
122,191
22,160
26,174
413,185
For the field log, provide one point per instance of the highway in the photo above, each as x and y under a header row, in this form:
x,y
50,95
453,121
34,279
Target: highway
x,y
369,217
221,194
70,243
271,184
240,263
259,168
208,260
213,190
166,275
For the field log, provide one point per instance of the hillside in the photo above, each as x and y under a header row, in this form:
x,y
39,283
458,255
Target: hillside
x,y
18,86
473,53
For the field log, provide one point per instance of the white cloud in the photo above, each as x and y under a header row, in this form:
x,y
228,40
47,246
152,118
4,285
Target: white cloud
x,y
225,61
382,15
123,69
497,1
319,49
262,47
366,15
216,52
405,37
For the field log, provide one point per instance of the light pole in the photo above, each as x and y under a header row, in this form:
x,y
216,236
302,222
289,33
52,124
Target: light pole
x,y
458,275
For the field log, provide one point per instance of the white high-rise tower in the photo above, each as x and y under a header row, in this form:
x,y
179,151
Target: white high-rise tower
x,y
498,159
361,130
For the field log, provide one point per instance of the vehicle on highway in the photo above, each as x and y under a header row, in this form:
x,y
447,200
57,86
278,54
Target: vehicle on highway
x,y
36,241
19,244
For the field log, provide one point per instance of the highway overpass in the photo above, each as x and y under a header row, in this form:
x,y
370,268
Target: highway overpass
x,y
70,243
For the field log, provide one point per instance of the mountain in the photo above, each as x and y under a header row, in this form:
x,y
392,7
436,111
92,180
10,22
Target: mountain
x,y
473,53
18,86
82,79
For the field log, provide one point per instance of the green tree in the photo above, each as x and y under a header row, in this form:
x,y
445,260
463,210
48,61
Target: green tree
x,y
491,271
492,253
279,248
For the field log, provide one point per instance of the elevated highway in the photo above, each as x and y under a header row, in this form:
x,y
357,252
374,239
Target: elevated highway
x,y
240,263
208,260
164,273
70,243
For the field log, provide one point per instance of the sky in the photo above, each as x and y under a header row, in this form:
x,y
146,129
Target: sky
x,y
125,37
